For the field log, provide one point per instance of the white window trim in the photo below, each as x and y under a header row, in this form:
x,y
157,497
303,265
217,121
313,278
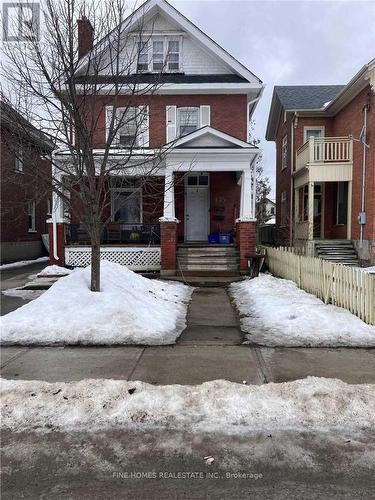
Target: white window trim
x,y
312,127
32,214
131,190
284,158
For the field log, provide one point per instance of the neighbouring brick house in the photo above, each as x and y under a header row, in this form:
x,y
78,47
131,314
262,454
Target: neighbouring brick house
x,y
25,192
325,167
203,106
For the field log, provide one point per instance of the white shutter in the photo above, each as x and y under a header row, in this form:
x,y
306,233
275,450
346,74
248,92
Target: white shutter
x,y
205,116
171,118
143,133
108,118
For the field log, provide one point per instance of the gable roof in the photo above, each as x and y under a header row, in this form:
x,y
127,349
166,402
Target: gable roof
x,y
317,100
213,139
152,7
296,97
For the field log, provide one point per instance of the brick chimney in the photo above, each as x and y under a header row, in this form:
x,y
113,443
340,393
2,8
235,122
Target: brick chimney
x,y
85,36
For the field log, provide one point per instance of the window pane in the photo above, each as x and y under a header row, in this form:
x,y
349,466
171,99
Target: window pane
x,y
127,129
158,55
203,180
192,180
188,120
142,56
127,206
173,46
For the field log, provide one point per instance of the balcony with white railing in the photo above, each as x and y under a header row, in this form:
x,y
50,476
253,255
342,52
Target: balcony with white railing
x,y
325,151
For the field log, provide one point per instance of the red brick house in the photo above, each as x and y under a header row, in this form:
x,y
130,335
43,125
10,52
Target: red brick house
x,y
25,195
207,179
325,167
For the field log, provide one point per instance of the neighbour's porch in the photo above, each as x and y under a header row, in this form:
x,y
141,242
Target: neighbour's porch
x,y
323,189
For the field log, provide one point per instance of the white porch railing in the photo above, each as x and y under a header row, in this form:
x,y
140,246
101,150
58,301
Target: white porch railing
x,y
324,150
135,258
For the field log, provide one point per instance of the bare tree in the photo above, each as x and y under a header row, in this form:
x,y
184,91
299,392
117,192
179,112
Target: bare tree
x,y
79,98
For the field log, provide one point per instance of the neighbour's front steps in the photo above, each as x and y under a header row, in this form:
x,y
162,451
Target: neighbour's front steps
x,y
203,260
338,251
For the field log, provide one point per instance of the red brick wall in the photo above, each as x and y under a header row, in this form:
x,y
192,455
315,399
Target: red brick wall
x,y
350,121
18,188
168,245
228,113
246,241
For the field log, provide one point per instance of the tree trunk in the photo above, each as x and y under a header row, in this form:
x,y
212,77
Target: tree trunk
x,y
95,263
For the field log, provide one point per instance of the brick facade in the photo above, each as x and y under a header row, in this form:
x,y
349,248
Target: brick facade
x,y
17,189
168,247
228,114
246,242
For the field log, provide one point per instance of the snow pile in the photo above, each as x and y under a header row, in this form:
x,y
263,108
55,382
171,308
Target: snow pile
x,y
129,309
277,313
312,404
55,271
23,263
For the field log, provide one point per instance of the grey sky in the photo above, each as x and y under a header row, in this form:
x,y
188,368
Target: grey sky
x,y
286,43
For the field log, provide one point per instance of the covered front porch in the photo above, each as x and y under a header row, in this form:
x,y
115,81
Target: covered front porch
x,y
204,192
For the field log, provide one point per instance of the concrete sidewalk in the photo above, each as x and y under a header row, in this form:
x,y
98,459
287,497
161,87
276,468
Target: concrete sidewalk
x,y
210,348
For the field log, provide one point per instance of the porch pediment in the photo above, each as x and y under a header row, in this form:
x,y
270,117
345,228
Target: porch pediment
x,y
210,138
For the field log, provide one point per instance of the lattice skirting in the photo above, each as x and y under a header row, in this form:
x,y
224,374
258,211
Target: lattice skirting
x,y
135,258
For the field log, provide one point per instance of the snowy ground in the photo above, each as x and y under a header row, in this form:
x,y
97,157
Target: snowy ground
x,y
130,309
23,263
311,404
55,271
275,312
23,294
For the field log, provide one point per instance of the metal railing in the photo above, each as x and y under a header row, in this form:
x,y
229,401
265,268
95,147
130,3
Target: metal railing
x,y
117,234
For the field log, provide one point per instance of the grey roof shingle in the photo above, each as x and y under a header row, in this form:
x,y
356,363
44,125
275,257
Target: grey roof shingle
x,y
306,96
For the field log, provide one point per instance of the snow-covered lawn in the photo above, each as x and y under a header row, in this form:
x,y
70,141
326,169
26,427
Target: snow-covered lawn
x,y
312,404
23,263
130,309
275,312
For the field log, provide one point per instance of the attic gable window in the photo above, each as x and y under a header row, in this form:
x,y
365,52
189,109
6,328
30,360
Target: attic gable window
x,y
157,55
173,55
142,64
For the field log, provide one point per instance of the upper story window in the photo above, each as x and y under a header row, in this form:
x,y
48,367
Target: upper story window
x,y
18,162
284,152
142,64
187,120
130,126
312,132
157,55
173,55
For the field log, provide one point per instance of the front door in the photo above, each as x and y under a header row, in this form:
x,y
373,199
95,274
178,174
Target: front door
x,y
197,207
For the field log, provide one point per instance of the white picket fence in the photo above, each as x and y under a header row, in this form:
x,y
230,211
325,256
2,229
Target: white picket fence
x,y
340,285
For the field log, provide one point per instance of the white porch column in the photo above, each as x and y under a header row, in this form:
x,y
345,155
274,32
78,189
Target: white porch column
x,y
247,207
311,212
169,204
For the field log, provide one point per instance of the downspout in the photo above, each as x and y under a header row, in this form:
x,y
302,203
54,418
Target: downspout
x,y
362,216
291,179
54,233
